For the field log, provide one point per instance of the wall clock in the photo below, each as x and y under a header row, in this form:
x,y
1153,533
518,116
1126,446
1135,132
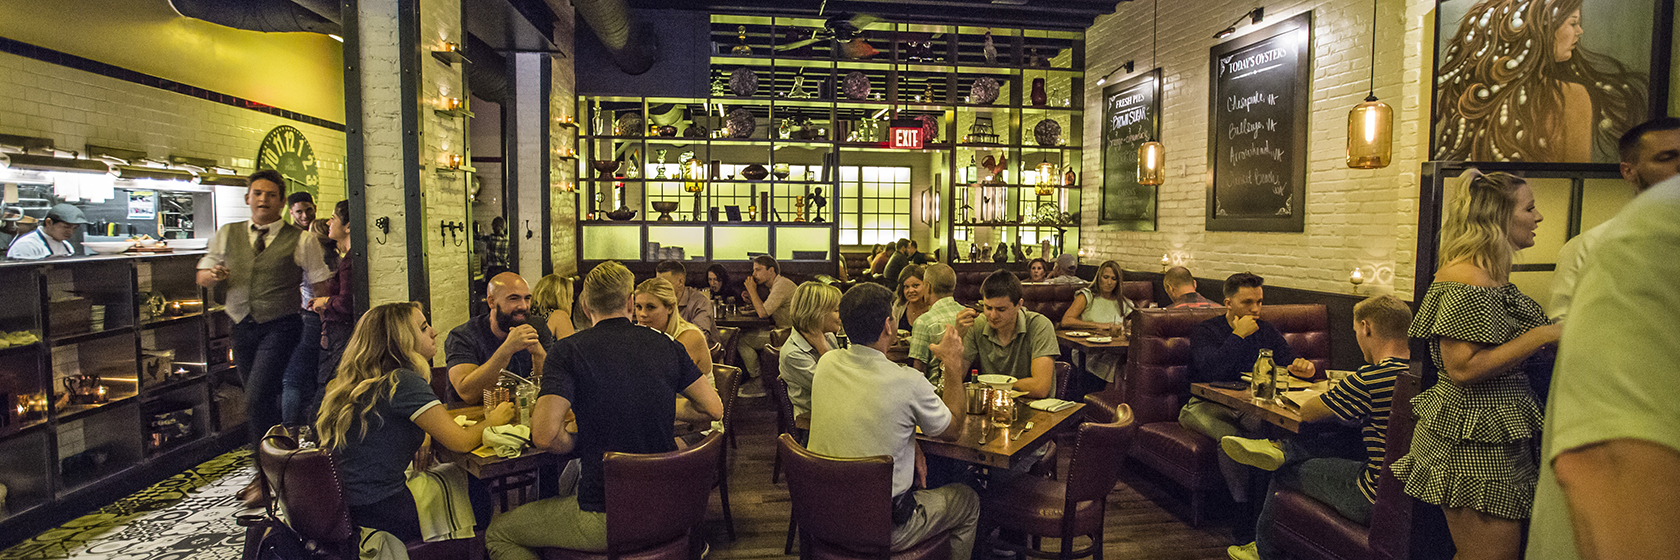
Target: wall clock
x,y
286,150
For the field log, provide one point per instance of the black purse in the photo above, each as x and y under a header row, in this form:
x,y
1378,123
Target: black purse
x,y
267,537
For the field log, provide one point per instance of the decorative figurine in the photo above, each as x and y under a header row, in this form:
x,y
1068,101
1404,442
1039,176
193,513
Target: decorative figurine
x,y
799,209
743,49
820,201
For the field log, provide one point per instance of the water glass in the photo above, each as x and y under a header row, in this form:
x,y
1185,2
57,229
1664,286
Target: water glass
x,y
495,396
1002,408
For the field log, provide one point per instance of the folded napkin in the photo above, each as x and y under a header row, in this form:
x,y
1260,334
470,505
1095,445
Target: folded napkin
x,y
1051,405
462,421
508,440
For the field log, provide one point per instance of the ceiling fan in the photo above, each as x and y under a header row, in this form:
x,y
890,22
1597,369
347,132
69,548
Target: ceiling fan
x,y
845,30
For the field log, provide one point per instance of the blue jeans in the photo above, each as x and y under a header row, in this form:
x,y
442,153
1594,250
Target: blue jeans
x,y
261,351
301,372
1331,480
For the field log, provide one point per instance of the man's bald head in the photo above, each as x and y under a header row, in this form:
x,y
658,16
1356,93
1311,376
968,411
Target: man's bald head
x,y
1178,281
510,300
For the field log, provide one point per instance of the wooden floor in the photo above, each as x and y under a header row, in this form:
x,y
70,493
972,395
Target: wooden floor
x,y
1138,527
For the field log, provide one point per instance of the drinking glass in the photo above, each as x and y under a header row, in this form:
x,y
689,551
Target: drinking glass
x,y
1002,409
495,396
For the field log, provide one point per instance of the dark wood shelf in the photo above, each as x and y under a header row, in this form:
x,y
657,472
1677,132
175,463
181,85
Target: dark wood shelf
x,y
13,350
170,320
22,427
152,393
74,411
87,336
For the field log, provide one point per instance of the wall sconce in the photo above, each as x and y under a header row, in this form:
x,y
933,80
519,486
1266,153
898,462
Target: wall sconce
x,y
564,186
1127,67
449,53
930,206
451,162
565,119
1254,16
1045,183
1356,279
452,107
1151,163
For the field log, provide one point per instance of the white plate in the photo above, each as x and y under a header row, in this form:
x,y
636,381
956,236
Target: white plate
x,y
107,247
188,244
1077,334
997,381
1100,339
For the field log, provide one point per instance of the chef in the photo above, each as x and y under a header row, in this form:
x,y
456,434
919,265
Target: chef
x,y
52,239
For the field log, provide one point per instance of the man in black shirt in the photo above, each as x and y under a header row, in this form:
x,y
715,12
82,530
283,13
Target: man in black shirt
x,y
896,264
622,379
479,349
1222,348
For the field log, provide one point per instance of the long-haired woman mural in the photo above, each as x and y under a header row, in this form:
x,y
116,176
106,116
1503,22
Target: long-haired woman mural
x,y
1515,84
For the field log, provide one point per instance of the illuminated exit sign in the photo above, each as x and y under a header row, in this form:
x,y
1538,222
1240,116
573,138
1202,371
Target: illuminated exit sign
x,y
906,134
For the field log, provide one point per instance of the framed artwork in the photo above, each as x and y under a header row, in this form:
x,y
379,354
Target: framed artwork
x,y
1553,81
1131,116
1257,141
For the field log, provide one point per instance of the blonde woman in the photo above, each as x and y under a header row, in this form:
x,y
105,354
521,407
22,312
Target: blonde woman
x,y
816,318
656,308
379,409
909,303
1100,306
552,298
1473,450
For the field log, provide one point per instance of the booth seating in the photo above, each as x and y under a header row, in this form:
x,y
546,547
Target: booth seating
x,y
1156,383
1310,530
1053,300
856,264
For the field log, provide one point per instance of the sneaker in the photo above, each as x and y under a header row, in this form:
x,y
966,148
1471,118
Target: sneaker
x,y
750,391
1263,454
1244,552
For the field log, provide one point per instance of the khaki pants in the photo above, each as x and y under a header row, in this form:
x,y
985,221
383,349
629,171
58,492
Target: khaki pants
x,y
953,507
1216,421
748,346
552,522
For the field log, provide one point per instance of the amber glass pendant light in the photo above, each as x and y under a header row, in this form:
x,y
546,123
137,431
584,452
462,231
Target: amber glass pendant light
x,y
1045,184
1152,155
1370,139
693,174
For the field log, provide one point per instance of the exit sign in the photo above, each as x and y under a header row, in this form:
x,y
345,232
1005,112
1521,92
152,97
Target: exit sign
x,y
906,134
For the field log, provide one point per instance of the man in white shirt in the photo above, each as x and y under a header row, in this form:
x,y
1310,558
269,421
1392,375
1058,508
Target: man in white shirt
x,y
263,260
864,405
52,239
1650,153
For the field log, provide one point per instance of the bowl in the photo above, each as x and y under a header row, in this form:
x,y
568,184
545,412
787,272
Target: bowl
x,y
188,244
622,214
107,247
146,242
664,206
996,381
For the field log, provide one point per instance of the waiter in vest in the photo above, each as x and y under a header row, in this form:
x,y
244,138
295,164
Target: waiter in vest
x,y
262,261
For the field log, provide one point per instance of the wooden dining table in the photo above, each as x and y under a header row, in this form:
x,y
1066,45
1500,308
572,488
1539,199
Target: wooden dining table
x,y
507,475
745,322
981,442
1284,416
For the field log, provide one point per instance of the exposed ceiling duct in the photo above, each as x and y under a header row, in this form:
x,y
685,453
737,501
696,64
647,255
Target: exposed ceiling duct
x,y
487,76
631,47
268,16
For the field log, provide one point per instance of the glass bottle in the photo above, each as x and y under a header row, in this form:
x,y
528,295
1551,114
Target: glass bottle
x,y
1261,381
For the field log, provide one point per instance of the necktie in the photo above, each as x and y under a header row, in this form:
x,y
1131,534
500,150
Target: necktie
x,y
262,235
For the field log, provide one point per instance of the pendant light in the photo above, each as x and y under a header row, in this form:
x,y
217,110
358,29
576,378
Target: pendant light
x,y
1370,124
1045,183
1152,155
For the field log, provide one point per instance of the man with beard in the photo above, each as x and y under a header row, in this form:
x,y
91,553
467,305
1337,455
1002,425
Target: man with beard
x,y
501,339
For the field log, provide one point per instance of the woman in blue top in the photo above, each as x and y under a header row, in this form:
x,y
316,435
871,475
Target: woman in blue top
x,y
379,409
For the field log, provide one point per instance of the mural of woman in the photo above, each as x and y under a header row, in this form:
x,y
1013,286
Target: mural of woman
x,y
1514,84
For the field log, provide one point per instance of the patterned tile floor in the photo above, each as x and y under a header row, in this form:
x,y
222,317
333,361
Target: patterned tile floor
x,y
189,516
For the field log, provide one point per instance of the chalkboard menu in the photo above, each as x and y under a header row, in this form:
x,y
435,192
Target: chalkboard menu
x,y
1131,116
1258,140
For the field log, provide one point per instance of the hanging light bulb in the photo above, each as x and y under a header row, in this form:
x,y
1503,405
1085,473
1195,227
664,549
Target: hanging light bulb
x,y
693,171
1045,183
1151,163
1370,134
1370,124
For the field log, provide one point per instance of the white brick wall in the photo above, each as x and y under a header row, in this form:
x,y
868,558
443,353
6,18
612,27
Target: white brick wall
x,y
75,108
562,97
1354,218
383,160
445,194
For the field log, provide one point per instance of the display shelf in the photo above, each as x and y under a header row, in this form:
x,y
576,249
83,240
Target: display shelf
x,y
1065,225
75,411
15,350
154,392
89,336
22,428
170,320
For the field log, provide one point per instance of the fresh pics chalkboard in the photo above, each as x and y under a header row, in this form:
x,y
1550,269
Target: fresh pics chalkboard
x,y
1257,145
1131,116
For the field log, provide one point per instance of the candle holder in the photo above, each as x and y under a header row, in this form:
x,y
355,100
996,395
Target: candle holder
x,y
1165,263
1356,279
1002,408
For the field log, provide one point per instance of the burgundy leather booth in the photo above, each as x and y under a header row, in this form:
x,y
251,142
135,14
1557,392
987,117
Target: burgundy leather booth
x,y
1310,530
1156,383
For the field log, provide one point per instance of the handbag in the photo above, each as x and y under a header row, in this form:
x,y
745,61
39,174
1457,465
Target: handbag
x,y
267,537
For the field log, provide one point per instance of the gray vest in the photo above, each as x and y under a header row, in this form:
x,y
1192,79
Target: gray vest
x,y
268,281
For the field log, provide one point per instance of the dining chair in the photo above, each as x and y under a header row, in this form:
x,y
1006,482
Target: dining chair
x,y
770,359
844,507
654,502
726,378
1064,509
729,336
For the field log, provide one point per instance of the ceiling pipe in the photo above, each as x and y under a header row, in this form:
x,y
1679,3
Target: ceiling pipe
x,y
487,76
628,42
268,16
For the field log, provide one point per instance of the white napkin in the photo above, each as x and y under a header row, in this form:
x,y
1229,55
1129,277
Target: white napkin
x,y
508,440
1051,405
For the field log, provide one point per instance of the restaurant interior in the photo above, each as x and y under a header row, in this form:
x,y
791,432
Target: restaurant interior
x,y
1314,143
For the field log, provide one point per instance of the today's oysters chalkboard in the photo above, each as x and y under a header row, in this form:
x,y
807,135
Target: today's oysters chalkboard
x,y
1257,145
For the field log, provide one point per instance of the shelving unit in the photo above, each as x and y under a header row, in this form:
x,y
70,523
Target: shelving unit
x,y
57,458
803,118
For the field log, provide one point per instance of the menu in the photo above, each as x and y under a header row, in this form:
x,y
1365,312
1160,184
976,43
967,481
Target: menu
x,y
1131,117
1257,149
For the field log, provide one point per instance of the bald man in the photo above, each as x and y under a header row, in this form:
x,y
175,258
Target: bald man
x,y
481,348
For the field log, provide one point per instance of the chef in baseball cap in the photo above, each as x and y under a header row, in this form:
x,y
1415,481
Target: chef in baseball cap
x,y
52,239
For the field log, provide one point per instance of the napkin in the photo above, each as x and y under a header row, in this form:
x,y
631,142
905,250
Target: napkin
x,y
508,440
1051,405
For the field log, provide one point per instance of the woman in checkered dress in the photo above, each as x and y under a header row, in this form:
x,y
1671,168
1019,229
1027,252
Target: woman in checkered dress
x,y
1473,451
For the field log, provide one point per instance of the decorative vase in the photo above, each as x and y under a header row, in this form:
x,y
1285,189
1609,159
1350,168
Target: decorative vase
x,y
856,86
930,128
741,123
695,131
1069,178
628,124
743,82
781,171
990,49
1047,133
1039,97
755,172
668,131
983,92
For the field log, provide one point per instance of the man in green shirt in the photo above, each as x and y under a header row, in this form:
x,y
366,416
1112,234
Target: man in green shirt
x,y
1610,451
1012,341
